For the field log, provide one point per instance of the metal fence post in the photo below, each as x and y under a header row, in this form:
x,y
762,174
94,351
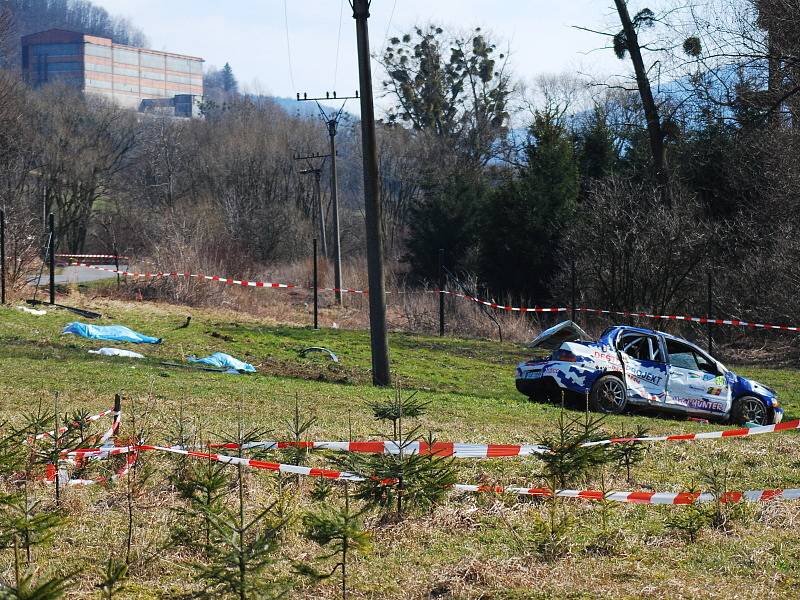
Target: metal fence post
x,y
316,288
441,291
2,257
572,285
710,309
116,263
52,221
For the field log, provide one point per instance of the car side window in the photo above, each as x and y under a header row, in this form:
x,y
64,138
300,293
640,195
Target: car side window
x,y
682,356
706,364
640,347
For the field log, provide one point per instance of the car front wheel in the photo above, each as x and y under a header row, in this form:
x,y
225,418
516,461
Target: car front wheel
x,y
608,395
749,409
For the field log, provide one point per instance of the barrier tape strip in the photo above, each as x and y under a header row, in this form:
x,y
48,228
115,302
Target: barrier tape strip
x,y
187,275
49,434
520,309
463,450
673,498
91,256
454,449
734,322
500,306
662,498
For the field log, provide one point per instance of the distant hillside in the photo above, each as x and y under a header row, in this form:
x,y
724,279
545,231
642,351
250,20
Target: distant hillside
x,y
30,16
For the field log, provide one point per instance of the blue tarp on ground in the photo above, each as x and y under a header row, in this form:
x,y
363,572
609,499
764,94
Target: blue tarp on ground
x,y
116,333
222,360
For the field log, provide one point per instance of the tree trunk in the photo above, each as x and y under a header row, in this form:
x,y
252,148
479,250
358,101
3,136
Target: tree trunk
x,y
655,133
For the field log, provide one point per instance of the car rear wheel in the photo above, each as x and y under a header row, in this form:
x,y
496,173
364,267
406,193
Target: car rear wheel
x,y
749,409
608,395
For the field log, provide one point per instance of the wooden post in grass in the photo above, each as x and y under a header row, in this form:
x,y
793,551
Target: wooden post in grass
x,y
441,291
316,288
2,257
52,257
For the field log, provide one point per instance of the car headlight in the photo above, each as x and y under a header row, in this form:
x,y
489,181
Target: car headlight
x,y
775,403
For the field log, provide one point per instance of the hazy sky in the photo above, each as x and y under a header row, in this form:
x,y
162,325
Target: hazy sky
x,y
251,35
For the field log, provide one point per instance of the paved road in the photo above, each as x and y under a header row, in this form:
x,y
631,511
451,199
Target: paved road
x,y
78,275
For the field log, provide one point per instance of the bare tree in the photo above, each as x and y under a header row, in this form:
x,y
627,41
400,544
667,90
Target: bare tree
x,y
84,144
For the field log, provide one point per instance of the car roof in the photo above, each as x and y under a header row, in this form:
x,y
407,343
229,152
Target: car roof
x,y
611,331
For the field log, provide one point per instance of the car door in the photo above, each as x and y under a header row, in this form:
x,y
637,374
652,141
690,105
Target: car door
x,y
696,382
645,366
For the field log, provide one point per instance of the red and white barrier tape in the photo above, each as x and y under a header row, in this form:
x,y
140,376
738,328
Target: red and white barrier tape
x,y
463,450
49,434
734,322
705,435
186,275
663,498
65,479
639,497
520,309
90,256
454,449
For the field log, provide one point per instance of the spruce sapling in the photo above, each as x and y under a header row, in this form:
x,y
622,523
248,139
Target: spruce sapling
x,y
403,479
241,548
114,576
339,531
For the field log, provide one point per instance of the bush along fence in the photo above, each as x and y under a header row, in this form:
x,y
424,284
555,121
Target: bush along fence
x,y
392,477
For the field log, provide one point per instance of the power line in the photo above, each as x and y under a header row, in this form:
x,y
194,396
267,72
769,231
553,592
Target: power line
x,y
288,45
338,43
388,25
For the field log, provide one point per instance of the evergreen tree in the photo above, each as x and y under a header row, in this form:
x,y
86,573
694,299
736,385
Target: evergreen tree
x,y
446,217
597,155
521,226
229,83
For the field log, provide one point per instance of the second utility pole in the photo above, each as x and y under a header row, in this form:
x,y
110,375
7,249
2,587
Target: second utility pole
x,y
332,123
372,205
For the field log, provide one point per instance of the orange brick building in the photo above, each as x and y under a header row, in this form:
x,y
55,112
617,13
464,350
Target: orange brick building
x,y
124,74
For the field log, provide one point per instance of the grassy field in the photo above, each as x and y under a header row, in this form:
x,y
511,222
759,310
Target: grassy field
x,y
471,546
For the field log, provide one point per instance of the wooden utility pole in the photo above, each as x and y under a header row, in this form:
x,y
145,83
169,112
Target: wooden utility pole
x,y
332,122
317,172
2,257
372,207
52,258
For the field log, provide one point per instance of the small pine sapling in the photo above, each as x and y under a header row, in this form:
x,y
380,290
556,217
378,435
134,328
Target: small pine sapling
x,y
715,479
183,433
568,461
22,525
298,428
607,540
340,532
241,548
113,578
204,485
689,520
398,408
137,479
403,479
631,453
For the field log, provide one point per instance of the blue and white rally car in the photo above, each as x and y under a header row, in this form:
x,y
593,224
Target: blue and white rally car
x,y
630,366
